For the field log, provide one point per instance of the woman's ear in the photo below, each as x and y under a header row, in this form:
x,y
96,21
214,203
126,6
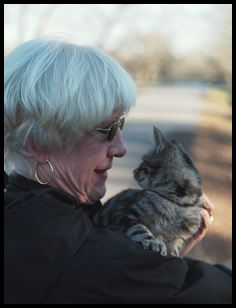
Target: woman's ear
x,y
36,153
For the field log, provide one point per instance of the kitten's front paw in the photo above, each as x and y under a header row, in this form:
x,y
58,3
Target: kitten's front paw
x,y
156,245
175,252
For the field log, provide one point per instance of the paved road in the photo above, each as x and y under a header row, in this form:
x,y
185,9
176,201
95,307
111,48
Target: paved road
x,y
175,110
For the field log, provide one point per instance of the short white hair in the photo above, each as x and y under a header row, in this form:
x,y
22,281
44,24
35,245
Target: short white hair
x,y
55,91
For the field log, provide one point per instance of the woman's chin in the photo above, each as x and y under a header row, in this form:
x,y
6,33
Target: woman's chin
x,y
101,192
97,193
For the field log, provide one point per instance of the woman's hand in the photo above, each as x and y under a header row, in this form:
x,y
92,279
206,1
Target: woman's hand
x,y
207,220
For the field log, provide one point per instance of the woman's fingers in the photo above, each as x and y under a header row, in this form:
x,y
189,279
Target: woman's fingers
x,y
207,220
207,204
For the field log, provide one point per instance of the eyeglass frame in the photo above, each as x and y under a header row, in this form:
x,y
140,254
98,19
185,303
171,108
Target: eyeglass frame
x,y
112,129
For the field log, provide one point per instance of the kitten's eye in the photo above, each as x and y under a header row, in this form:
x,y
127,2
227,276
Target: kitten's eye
x,y
144,170
148,164
188,160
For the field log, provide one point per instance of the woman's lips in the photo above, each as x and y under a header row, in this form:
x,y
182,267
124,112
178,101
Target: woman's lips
x,y
102,173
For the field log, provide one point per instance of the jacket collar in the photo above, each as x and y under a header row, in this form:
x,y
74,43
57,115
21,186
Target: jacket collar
x,y
19,183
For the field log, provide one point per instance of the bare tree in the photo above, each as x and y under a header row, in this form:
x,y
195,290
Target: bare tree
x,y
109,24
224,53
22,17
23,12
46,16
147,56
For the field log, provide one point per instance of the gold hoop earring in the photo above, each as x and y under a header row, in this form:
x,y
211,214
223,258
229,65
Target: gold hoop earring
x,y
36,175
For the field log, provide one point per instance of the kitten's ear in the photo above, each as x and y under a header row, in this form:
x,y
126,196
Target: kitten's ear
x,y
159,138
179,145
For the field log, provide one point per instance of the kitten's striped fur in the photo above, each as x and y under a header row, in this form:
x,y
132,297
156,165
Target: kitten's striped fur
x,y
165,213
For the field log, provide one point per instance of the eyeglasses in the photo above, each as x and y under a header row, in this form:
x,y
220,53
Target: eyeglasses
x,y
111,130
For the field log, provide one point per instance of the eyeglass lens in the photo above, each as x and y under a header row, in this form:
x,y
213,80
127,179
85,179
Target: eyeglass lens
x,y
114,128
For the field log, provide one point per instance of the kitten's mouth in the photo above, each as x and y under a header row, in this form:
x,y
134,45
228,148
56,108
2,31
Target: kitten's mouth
x,y
140,180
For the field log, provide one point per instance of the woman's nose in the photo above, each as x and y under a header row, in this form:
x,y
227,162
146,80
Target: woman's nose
x,y
117,147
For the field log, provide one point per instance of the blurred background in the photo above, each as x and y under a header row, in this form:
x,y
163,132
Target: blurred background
x,y
180,56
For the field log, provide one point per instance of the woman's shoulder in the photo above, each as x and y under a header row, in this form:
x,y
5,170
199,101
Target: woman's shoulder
x,y
110,268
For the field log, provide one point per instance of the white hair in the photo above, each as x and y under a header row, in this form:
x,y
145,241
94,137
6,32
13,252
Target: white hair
x,y
55,91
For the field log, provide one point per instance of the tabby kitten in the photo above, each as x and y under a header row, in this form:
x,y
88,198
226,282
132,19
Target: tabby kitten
x,y
165,213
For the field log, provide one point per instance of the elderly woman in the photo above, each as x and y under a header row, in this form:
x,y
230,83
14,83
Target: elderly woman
x,y
64,110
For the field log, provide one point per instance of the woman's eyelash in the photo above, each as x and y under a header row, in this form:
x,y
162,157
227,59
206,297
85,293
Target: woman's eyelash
x,y
104,132
107,127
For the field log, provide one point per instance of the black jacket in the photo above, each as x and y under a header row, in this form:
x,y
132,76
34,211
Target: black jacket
x,y
53,255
